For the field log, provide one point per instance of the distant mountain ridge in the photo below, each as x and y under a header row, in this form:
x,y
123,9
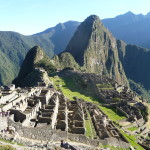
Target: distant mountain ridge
x,y
131,28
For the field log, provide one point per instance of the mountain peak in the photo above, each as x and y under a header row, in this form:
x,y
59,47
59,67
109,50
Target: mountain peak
x,y
83,34
35,48
129,13
93,17
33,56
94,48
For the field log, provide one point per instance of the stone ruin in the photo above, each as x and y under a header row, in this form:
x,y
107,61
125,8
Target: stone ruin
x,y
120,92
42,113
132,113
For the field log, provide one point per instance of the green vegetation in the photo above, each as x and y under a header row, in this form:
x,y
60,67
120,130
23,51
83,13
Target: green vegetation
x,y
62,84
116,99
139,89
6,141
11,142
66,60
8,70
15,46
132,128
36,57
90,130
105,86
132,140
6,147
112,113
47,65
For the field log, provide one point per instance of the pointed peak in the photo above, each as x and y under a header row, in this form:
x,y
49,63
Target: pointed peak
x,y
129,13
92,18
36,49
35,54
88,31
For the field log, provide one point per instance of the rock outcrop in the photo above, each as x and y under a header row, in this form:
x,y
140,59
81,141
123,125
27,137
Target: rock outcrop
x,y
29,73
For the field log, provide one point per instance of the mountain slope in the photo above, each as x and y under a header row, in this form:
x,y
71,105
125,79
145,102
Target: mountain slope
x,y
131,28
135,62
15,46
95,50
7,69
28,73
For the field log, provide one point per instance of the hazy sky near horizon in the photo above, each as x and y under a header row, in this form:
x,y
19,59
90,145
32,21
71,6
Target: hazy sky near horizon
x,y
32,16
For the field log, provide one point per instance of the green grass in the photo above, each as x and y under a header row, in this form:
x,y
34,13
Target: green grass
x,y
61,85
90,130
11,142
132,128
105,86
132,141
6,141
114,116
110,112
6,147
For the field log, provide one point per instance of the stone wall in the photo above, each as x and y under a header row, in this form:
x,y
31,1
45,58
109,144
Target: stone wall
x,y
50,135
13,103
114,142
123,112
3,123
83,139
8,97
140,122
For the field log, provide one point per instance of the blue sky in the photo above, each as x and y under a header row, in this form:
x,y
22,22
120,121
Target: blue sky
x,y
32,16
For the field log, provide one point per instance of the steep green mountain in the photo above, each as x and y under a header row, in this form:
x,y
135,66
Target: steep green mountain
x,y
135,62
95,50
28,74
15,46
7,69
131,28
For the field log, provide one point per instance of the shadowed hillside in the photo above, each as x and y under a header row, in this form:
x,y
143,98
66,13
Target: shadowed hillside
x,y
14,47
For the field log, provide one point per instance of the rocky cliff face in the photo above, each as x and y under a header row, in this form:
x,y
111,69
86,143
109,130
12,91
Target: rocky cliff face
x,y
95,50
